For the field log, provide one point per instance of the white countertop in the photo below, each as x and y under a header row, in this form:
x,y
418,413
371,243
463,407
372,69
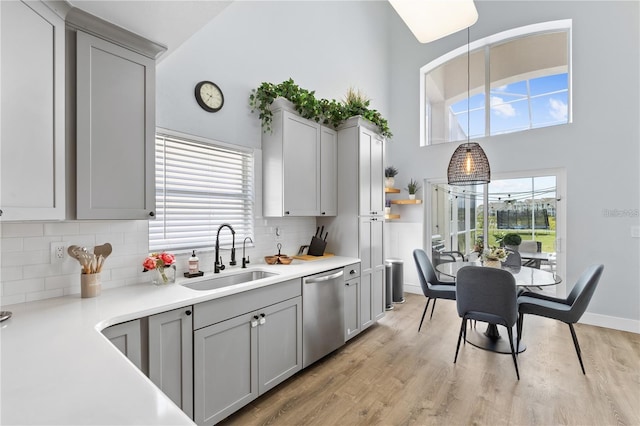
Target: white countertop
x,y
57,368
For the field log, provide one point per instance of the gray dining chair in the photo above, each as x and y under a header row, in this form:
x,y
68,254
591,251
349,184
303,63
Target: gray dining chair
x,y
488,295
432,287
531,246
567,310
513,259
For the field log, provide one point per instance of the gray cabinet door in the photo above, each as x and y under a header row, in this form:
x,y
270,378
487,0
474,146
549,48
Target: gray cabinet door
x,y
32,169
115,94
279,343
328,172
371,173
127,338
171,355
351,308
378,295
366,289
301,166
225,368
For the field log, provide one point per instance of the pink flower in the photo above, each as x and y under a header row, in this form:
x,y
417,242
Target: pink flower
x,y
167,258
149,263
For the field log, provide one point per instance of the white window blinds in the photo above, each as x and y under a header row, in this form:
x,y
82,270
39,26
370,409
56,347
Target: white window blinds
x,y
200,186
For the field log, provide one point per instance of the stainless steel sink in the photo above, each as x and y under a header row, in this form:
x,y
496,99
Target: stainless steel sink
x,y
227,280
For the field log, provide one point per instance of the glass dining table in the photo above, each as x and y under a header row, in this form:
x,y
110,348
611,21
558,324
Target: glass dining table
x,y
525,277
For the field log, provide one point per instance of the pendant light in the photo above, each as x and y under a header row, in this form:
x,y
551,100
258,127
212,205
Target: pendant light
x,y
430,20
469,164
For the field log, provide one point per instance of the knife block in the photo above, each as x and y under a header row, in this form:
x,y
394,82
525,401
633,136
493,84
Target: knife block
x,y
317,246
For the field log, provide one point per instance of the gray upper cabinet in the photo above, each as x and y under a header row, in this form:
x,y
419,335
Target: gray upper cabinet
x,y
328,172
299,166
171,355
32,150
115,95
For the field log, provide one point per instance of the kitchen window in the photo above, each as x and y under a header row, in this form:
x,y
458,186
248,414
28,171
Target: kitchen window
x,y
518,80
200,184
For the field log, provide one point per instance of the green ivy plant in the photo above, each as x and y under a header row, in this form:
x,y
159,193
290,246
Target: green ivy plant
x,y
327,112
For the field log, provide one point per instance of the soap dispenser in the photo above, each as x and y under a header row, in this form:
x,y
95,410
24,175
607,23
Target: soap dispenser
x,y
194,268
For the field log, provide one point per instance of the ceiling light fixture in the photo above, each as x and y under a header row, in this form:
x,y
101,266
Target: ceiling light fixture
x,y
430,20
469,164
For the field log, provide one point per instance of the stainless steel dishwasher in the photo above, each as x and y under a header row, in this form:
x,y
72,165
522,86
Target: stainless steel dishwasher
x,y
322,315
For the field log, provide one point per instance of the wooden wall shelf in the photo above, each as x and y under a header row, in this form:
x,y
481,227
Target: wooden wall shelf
x,y
391,190
392,216
406,201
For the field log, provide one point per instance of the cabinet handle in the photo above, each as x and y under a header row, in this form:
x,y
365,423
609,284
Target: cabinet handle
x,y
152,214
262,319
347,283
254,321
187,312
353,271
1,212
324,213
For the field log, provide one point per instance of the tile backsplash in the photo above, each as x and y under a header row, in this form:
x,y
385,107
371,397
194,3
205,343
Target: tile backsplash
x,y
27,273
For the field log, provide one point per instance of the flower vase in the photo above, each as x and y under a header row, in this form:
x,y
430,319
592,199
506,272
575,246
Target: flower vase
x,y
163,275
493,264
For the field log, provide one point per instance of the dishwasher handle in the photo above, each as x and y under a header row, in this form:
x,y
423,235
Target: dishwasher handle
x,y
324,278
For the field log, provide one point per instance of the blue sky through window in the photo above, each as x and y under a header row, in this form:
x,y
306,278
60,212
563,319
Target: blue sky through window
x,y
526,104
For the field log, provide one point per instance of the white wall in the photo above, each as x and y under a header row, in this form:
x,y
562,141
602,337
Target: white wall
x,y
600,150
324,46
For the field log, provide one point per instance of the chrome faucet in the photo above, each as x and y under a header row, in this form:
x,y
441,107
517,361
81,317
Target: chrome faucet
x,y
218,266
245,260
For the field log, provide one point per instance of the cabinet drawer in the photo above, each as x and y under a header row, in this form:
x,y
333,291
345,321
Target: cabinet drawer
x,y
217,310
351,271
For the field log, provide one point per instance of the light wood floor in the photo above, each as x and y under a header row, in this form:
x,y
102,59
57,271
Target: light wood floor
x,y
393,375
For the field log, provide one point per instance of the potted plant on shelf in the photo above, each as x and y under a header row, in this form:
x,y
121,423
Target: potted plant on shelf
x,y
413,187
328,112
389,176
512,241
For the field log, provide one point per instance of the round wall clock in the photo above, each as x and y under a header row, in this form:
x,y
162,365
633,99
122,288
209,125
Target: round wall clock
x,y
209,96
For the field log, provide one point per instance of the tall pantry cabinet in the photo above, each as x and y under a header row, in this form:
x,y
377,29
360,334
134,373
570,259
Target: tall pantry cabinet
x,y
357,230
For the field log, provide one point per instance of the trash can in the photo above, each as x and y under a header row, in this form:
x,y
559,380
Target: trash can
x,y
395,277
388,305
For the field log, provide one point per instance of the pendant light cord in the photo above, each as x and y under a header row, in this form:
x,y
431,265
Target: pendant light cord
x,y
468,85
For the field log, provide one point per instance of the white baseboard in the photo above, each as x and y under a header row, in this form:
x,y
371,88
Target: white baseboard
x,y
616,323
607,321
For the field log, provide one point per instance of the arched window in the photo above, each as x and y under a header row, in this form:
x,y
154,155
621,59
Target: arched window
x,y
518,80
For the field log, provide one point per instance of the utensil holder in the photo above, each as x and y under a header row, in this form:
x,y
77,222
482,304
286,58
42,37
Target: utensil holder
x,y
90,285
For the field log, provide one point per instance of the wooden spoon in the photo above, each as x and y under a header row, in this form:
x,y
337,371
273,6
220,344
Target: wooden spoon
x,y
102,252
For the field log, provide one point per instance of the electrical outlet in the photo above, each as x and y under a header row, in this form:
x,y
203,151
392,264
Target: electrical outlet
x,y
58,252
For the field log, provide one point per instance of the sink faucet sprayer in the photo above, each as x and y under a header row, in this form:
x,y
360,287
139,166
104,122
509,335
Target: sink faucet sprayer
x,y
218,266
245,260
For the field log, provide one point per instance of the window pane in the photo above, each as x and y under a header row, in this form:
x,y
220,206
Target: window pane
x,y
529,84
200,186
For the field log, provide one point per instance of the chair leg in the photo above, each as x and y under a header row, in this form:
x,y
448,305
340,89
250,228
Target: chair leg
x,y
513,352
463,329
519,330
433,307
577,345
424,313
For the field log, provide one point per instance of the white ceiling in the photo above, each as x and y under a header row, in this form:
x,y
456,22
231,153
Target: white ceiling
x,y
168,22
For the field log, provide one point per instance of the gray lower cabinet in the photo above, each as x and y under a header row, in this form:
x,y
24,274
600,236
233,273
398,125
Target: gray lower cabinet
x,y
241,354
171,355
127,337
352,301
